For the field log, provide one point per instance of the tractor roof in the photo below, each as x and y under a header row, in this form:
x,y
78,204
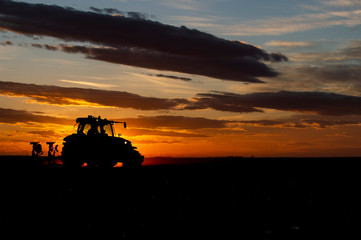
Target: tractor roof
x,y
93,120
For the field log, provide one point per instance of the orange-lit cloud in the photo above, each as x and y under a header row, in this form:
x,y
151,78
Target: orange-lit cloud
x,y
289,44
86,83
70,96
21,116
322,103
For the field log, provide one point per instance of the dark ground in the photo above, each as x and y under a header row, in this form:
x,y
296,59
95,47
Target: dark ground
x,y
295,198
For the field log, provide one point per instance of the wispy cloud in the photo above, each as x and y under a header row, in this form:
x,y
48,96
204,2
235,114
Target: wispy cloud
x,y
289,44
116,12
197,22
337,70
299,23
91,84
342,3
190,5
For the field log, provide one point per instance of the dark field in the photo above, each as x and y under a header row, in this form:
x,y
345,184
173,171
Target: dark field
x,y
270,198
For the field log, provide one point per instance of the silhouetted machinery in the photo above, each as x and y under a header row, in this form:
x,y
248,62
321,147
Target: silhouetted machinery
x,y
95,144
37,149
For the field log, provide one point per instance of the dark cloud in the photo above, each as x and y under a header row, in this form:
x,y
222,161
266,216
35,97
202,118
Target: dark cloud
x,y
37,45
160,125
315,102
174,122
152,132
45,46
322,103
146,43
138,15
50,47
263,122
106,10
240,69
69,96
300,123
173,77
6,43
330,123
173,126
113,11
13,116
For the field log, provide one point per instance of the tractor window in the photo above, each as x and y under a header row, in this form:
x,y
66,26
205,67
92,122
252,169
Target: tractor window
x,y
108,130
86,128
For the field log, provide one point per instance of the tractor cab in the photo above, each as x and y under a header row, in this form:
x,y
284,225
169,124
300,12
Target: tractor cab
x,y
92,126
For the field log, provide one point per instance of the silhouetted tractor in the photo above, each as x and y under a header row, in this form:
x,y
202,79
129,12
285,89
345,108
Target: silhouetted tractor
x,y
95,144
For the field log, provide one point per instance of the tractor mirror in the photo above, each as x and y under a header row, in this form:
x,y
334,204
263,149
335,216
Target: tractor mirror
x,y
125,125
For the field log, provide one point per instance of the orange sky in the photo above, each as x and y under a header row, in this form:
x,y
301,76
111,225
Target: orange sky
x,y
188,140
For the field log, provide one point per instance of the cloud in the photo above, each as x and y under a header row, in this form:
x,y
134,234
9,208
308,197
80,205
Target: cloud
x,y
297,123
189,5
227,69
341,73
13,116
298,23
174,122
134,57
342,3
6,43
289,44
140,42
113,11
76,96
322,103
174,126
152,132
330,123
173,77
353,50
86,83
178,126
45,46
338,70
350,53
106,10
45,133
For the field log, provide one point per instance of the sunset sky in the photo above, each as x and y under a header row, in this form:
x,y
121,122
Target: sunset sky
x,y
191,78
